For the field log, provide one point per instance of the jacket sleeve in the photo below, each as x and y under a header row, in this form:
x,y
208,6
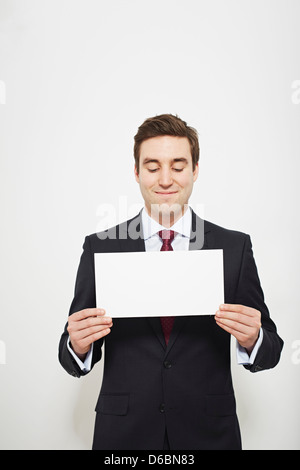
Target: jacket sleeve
x,y
84,297
250,293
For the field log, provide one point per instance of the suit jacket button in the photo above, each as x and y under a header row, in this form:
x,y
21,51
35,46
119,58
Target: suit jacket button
x,y
167,365
162,407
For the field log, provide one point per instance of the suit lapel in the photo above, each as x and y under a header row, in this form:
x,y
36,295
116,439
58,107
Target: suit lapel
x,y
156,326
131,236
199,231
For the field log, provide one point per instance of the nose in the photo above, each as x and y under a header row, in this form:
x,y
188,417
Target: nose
x,y
165,178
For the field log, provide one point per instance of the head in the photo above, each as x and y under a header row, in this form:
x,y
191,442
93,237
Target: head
x,y
166,153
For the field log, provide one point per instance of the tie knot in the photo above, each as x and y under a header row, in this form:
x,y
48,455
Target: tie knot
x,y
167,237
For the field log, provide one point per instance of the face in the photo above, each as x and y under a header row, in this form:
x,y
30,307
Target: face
x,y
166,177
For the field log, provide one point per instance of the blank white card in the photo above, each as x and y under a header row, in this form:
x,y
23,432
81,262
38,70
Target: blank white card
x,y
162,283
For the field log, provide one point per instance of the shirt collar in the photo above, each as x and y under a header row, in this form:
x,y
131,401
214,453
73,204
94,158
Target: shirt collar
x,y
182,226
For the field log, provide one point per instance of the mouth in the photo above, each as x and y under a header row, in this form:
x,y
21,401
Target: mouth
x,y
166,193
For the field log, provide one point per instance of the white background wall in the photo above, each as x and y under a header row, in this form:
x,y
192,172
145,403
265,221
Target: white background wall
x,y
77,79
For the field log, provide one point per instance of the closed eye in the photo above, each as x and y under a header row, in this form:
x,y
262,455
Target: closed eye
x,y
153,170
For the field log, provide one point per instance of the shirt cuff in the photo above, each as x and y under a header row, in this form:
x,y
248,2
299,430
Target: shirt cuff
x,y
243,357
85,366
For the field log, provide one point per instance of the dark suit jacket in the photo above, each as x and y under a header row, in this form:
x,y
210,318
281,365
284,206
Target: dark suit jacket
x,y
186,387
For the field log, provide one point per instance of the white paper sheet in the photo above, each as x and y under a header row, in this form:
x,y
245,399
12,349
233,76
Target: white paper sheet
x,y
154,284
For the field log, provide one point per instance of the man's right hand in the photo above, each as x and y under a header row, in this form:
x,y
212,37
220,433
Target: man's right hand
x,y
85,327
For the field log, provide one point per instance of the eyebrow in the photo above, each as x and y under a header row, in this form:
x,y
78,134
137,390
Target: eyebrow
x,y
175,160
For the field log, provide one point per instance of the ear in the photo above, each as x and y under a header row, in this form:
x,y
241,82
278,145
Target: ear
x,y
137,178
196,172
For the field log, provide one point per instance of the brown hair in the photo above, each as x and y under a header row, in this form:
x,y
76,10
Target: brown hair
x,y
166,124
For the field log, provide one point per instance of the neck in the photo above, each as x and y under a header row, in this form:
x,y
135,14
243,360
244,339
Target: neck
x,y
166,215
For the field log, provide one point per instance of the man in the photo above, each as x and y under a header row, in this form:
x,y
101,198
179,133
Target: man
x,y
167,382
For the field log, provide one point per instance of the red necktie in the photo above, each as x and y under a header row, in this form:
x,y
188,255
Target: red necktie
x,y
167,237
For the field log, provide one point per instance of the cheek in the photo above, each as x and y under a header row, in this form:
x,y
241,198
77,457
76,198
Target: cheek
x,y
185,181
147,180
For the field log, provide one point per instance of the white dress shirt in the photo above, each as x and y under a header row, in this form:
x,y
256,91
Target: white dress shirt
x,y
181,242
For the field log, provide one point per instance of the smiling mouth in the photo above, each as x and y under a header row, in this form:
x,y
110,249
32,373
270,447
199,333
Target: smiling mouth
x,y
166,192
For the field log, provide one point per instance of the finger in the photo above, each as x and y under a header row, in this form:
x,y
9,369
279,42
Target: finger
x,y
246,315
235,326
79,326
86,342
93,321
238,308
82,334
240,336
235,317
88,312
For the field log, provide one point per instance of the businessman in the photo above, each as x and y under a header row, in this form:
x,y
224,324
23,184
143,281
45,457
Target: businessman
x,y
167,381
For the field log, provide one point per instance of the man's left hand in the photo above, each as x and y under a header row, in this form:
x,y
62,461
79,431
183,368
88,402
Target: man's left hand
x,y
242,322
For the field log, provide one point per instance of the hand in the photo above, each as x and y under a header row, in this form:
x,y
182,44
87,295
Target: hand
x,y
85,327
242,322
